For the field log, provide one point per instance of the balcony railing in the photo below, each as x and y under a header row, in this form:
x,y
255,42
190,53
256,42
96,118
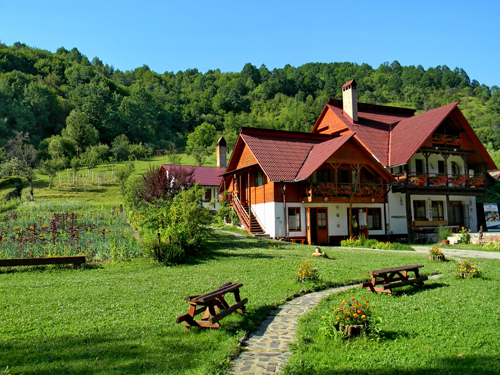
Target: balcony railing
x,y
439,180
332,190
449,140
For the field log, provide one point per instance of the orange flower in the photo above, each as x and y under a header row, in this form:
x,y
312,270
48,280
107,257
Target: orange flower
x,y
355,315
363,316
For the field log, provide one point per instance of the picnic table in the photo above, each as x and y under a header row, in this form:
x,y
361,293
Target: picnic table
x,y
390,278
213,305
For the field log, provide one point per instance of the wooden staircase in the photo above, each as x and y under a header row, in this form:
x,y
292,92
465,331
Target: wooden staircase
x,y
247,217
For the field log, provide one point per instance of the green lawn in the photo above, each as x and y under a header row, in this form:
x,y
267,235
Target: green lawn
x,y
448,327
107,193
120,317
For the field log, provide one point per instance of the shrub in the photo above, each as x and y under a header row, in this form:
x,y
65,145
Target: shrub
x,y
164,252
464,235
493,246
370,243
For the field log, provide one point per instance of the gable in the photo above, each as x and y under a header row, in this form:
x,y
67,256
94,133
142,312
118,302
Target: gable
x,y
246,159
329,123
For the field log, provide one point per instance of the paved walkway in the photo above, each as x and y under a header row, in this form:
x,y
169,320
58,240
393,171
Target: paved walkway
x,y
453,253
267,348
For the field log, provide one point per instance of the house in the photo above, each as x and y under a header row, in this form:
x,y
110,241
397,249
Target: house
x,y
209,178
366,169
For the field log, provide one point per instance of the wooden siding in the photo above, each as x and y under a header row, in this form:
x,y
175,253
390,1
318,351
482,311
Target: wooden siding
x,y
262,194
465,142
349,154
331,124
246,158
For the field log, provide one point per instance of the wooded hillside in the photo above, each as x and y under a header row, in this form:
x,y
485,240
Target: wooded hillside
x,y
39,90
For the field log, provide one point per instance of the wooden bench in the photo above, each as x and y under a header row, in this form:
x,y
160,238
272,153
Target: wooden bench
x,y
76,261
395,277
428,225
213,306
300,240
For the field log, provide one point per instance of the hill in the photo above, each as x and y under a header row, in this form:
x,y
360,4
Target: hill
x,y
39,89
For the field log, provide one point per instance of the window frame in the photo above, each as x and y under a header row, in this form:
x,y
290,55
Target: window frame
x,y
419,218
439,204
298,223
368,214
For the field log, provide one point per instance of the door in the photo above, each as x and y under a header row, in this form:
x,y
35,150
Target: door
x,y
456,214
355,222
317,225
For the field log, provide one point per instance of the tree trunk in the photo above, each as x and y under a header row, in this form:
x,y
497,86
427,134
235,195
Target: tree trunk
x,y
31,191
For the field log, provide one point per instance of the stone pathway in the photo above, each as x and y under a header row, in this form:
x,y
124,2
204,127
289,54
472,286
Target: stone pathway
x,y
267,348
452,253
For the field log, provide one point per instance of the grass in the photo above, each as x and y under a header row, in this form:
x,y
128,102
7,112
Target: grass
x,y
447,327
107,193
120,317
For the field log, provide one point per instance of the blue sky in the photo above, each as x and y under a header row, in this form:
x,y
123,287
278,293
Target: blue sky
x,y
179,35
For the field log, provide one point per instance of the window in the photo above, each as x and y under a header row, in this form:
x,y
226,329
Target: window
x,y
437,210
419,210
344,176
293,219
419,165
321,218
440,166
208,194
455,169
374,218
325,175
259,178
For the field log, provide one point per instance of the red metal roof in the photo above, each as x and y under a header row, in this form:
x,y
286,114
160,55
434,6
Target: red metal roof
x,y
372,129
206,176
280,154
410,134
319,154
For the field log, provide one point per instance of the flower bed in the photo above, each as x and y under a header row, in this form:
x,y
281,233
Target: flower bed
x,y
50,230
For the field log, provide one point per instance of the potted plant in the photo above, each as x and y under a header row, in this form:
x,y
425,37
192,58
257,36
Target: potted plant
x,y
349,319
467,269
435,254
443,234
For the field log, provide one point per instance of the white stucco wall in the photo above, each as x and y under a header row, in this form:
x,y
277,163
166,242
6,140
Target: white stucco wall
x,y
271,217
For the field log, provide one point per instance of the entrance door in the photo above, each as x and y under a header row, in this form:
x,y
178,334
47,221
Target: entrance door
x,y
456,214
317,225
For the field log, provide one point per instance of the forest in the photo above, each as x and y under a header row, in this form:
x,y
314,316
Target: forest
x,y
68,103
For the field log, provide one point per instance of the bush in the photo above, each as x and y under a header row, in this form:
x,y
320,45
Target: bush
x,y
370,243
165,252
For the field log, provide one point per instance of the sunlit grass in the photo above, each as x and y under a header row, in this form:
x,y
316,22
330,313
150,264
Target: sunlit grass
x,y
120,317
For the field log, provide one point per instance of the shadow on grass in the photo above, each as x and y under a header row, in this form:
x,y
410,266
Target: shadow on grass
x,y
411,290
175,351
465,364
54,267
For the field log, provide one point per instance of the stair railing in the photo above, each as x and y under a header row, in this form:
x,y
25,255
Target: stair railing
x,y
242,213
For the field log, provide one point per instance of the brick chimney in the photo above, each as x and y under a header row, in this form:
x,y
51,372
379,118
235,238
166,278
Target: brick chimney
x,y
350,99
221,153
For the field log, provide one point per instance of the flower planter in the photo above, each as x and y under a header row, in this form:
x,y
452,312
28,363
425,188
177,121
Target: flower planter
x,y
467,275
436,257
353,331
445,242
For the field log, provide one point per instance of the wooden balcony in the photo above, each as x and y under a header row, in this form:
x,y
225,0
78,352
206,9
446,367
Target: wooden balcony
x,y
440,183
344,193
